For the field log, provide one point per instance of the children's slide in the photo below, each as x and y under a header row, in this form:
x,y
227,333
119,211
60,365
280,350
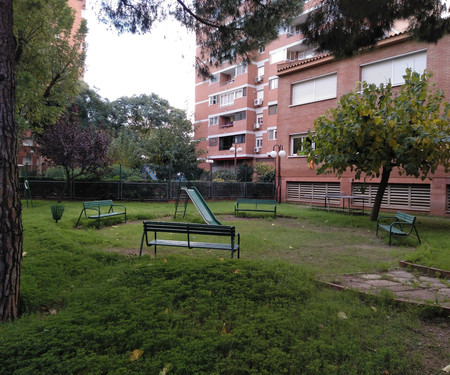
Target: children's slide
x,y
151,173
201,206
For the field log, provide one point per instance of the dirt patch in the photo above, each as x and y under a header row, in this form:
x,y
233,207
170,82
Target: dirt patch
x,y
433,345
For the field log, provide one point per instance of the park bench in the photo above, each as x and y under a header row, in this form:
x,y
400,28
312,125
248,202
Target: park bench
x,y
403,225
191,231
257,205
101,209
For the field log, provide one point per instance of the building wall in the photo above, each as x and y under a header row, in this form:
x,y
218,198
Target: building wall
x,y
300,118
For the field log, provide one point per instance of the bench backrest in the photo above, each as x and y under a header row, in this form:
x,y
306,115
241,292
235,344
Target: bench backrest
x,y
255,201
169,227
401,216
97,204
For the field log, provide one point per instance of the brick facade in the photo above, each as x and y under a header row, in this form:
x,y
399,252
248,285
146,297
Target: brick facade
x,y
290,120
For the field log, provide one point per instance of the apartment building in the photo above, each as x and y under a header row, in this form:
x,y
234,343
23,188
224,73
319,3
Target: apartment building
x,y
271,103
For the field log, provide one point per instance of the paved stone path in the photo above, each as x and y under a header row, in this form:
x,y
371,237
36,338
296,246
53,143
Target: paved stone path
x,y
406,286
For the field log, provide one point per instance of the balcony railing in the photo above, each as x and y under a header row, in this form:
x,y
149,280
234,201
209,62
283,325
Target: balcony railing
x,y
226,82
229,125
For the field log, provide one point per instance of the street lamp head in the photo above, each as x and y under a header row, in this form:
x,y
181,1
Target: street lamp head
x,y
232,149
239,149
273,154
282,153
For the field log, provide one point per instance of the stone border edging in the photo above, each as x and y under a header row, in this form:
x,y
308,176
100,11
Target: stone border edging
x,y
424,269
445,310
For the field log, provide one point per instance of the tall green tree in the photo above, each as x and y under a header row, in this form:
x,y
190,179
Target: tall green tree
x,y
92,109
141,113
126,148
342,27
49,58
375,130
171,148
11,232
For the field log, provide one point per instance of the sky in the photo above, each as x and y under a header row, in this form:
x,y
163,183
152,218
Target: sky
x,y
125,65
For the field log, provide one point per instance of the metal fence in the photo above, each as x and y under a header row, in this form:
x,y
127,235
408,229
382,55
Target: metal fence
x,y
147,191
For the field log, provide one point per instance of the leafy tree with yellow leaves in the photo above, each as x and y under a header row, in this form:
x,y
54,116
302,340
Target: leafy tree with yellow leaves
x,y
375,129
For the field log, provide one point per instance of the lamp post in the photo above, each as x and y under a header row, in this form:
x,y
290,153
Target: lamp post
x,y
235,150
277,153
210,162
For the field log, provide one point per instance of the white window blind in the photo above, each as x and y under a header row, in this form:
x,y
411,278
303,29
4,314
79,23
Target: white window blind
x,y
314,89
394,69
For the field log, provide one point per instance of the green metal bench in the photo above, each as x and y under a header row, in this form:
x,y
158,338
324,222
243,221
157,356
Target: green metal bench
x,y
256,205
101,209
403,225
191,231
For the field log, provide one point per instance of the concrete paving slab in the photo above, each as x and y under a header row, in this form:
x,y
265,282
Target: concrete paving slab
x,y
405,285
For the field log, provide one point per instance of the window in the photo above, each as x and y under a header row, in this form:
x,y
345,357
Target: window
x,y
260,94
259,119
272,134
273,83
228,98
277,56
213,121
27,160
213,100
273,109
241,69
225,143
260,71
299,142
28,142
313,90
240,138
394,69
258,142
262,49
240,116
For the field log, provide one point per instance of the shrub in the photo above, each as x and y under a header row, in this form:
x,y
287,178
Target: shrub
x,y
244,173
264,172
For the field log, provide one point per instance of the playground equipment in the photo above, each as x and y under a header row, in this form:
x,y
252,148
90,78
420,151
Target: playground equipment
x,y
200,204
150,173
26,184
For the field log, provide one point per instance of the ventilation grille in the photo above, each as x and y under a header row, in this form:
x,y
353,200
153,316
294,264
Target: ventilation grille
x,y
448,199
413,197
302,191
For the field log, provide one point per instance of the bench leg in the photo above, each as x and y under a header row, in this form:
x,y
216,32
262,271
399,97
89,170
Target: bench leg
x,y
142,243
417,234
79,217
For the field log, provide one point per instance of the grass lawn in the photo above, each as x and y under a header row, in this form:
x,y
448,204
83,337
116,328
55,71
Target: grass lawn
x,y
92,306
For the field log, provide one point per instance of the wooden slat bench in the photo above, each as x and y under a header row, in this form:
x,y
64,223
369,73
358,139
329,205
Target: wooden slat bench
x,y
191,231
101,209
403,225
256,205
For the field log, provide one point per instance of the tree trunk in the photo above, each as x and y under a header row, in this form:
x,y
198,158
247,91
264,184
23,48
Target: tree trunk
x,y
10,207
380,193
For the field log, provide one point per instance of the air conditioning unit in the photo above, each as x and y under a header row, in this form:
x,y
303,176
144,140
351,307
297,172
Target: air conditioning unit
x,y
259,79
256,126
257,150
258,101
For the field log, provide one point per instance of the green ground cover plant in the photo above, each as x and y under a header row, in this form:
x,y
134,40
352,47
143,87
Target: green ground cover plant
x,y
92,306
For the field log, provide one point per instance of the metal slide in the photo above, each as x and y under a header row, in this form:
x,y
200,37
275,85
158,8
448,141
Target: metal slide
x,y
201,206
